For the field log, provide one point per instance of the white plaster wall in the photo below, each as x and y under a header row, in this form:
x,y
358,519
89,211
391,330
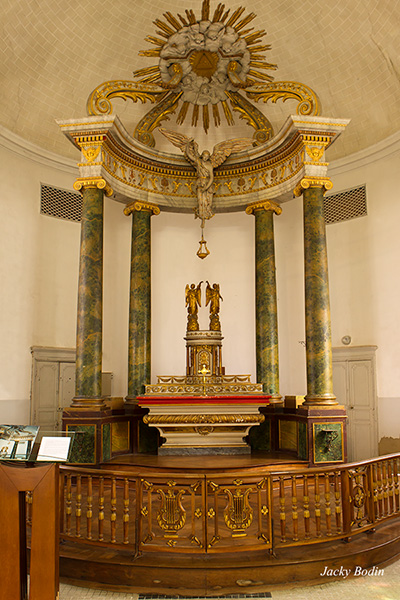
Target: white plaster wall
x,y
175,241
38,277
364,260
363,257
39,271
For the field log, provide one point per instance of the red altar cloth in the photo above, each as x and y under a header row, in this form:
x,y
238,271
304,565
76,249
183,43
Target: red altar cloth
x,y
258,399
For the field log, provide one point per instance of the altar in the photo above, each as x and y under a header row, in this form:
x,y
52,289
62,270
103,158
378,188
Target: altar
x,y
205,408
204,424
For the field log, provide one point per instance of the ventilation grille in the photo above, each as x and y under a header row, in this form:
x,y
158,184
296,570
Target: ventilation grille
x,y
63,204
346,205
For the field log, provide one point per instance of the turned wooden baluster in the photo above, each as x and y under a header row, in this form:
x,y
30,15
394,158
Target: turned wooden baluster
x,y
68,505
317,499
337,501
282,514
113,502
347,508
328,511
385,490
295,515
396,485
374,489
390,488
126,511
379,489
78,505
89,507
306,501
101,509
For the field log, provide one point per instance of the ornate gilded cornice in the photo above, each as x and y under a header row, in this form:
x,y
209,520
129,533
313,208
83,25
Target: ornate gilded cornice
x,y
307,182
93,182
137,205
211,419
269,205
259,174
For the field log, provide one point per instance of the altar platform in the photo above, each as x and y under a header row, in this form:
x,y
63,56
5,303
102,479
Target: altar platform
x,y
207,463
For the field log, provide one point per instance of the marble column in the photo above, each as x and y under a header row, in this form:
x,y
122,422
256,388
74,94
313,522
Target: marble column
x,y
139,353
266,303
90,301
318,320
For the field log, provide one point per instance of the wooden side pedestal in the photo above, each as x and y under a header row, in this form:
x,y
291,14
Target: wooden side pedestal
x,y
43,482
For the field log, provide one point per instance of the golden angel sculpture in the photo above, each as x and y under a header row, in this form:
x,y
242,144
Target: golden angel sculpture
x,y
205,164
213,297
193,301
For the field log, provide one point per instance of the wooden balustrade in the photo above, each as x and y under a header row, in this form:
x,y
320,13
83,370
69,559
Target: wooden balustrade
x,y
223,513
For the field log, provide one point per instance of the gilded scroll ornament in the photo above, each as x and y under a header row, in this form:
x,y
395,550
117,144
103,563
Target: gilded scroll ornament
x,y
99,101
307,182
93,182
137,205
269,205
309,103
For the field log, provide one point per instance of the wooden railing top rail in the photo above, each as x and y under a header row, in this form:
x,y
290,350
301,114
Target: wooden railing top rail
x,y
337,467
132,474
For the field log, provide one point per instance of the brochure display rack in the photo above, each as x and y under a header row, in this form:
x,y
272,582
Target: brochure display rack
x,y
24,452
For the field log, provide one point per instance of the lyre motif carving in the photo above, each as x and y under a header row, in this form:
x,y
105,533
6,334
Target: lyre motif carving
x,y
238,515
171,516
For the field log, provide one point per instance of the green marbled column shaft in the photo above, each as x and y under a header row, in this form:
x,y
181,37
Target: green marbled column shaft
x,y
318,319
266,305
90,297
139,367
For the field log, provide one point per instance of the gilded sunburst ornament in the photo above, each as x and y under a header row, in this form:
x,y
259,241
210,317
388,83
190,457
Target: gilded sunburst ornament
x,y
207,59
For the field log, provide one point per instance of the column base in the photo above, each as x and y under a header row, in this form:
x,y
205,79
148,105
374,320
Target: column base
x,y
276,399
90,420
322,434
95,403
322,400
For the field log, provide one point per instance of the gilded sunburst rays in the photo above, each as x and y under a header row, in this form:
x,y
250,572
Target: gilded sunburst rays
x,y
206,59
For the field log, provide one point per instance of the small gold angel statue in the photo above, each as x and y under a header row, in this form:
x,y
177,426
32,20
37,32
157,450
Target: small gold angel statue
x,y
193,301
204,164
213,297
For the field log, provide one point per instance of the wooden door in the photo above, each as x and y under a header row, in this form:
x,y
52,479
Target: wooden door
x,y
45,395
354,387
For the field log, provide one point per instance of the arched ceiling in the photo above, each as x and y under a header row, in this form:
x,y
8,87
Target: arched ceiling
x,y
54,54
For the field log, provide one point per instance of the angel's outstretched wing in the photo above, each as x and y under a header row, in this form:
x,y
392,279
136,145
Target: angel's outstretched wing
x,y
182,141
198,295
177,139
208,293
224,149
187,294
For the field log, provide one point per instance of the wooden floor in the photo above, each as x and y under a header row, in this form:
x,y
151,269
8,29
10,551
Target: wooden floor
x,y
193,575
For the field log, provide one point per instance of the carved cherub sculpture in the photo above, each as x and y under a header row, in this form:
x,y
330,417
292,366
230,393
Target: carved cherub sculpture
x,y
204,164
